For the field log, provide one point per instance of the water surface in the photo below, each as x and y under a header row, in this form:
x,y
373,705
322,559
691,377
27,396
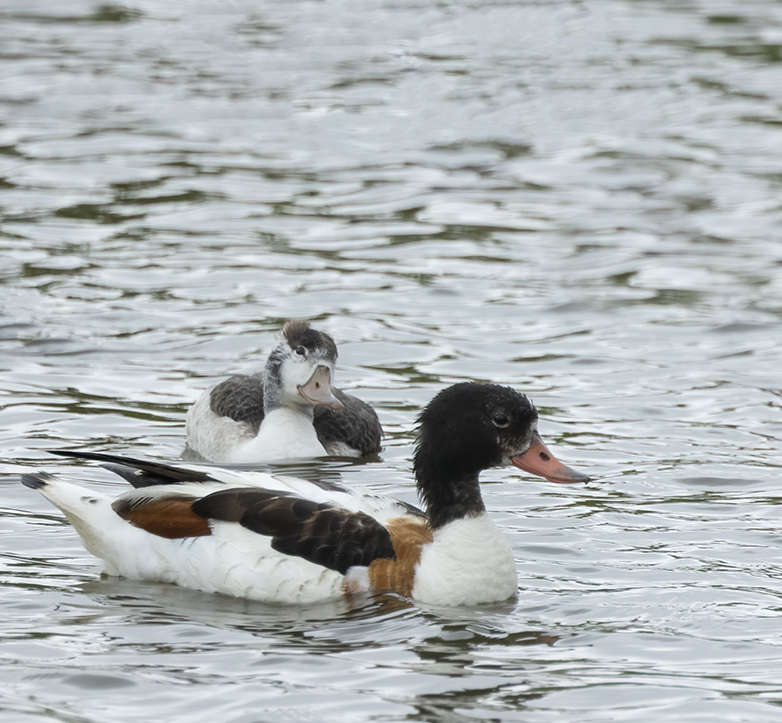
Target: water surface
x,y
581,200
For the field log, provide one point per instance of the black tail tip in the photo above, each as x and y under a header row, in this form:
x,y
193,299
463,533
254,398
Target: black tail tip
x,y
36,480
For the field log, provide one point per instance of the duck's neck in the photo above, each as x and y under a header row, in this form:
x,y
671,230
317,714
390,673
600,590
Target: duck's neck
x,y
272,386
274,395
448,495
274,402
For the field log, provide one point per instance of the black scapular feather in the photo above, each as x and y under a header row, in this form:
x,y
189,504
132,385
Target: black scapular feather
x,y
138,472
332,537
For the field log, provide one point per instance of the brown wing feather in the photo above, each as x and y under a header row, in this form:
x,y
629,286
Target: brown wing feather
x,y
171,517
408,536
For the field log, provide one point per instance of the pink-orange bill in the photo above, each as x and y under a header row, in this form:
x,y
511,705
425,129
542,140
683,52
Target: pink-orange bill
x,y
317,390
539,460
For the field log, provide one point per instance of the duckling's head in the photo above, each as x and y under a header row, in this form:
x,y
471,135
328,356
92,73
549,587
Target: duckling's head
x,y
300,370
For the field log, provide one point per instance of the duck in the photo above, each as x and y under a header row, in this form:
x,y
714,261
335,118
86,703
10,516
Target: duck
x,y
289,411
283,540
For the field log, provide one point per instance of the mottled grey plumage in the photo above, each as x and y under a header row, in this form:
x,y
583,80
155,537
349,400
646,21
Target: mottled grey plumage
x,y
240,398
356,426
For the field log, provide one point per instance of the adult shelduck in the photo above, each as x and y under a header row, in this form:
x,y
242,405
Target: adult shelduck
x,y
286,540
288,411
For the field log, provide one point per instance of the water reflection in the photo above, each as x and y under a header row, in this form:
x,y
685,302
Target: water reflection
x,y
444,644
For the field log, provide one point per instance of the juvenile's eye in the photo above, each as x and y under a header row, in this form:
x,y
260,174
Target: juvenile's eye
x,y
501,421
301,351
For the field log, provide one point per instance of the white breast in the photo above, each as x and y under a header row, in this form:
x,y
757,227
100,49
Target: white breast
x,y
284,434
469,562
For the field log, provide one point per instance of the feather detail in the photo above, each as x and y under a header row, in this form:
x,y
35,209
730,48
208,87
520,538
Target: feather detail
x,y
332,537
239,398
171,517
139,473
408,536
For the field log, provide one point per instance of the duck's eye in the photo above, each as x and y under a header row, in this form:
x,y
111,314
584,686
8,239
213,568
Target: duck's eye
x,y
501,421
301,351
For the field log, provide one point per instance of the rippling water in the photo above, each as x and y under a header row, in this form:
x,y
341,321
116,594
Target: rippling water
x,y
581,200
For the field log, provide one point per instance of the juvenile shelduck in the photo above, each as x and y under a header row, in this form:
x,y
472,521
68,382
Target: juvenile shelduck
x,y
286,540
289,411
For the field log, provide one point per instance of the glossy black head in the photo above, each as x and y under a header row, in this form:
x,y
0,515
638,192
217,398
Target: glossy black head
x,y
472,427
467,428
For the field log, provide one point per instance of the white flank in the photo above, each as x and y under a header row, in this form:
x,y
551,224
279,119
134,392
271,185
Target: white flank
x,y
232,560
213,436
284,434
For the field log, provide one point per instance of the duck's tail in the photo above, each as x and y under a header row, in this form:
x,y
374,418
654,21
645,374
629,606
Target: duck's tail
x,y
87,511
